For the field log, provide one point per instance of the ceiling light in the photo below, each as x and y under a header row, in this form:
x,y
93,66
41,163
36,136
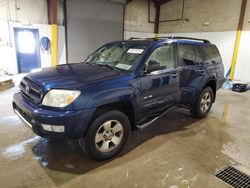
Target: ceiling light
x,y
206,23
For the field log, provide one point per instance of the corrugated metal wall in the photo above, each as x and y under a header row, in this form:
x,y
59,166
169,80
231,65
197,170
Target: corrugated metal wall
x,y
91,24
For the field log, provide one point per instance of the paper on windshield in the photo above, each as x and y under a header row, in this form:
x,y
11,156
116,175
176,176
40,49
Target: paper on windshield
x,y
123,66
135,51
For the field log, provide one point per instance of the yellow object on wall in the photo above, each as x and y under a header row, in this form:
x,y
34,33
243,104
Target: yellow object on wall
x,y
235,54
54,44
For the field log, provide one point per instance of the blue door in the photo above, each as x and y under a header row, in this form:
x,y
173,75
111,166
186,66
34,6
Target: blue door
x,y
27,49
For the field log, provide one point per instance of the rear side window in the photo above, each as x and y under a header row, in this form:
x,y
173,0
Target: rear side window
x,y
202,56
207,54
186,54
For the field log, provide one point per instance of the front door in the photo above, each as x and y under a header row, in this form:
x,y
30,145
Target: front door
x,y
27,49
160,88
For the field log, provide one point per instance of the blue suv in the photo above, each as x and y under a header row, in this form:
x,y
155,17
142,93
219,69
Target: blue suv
x,y
123,86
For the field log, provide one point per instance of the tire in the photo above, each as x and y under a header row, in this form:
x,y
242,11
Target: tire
x,y
106,136
204,103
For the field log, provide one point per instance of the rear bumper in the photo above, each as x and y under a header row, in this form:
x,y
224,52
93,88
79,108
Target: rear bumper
x,y
33,116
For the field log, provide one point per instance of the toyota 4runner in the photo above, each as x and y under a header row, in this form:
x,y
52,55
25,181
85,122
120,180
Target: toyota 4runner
x,y
123,86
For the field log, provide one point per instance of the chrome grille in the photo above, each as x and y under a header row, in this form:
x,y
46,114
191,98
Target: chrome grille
x,y
31,90
25,115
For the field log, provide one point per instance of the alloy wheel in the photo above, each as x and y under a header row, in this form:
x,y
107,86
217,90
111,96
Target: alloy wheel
x,y
206,101
109,135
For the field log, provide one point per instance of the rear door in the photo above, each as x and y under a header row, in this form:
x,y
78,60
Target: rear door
x,y
160,88
192,71
209,56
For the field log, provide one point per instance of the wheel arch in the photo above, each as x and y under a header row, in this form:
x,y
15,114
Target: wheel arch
x,y
124,106
212,84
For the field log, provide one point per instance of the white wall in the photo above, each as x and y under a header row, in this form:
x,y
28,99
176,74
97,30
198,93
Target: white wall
x,y
136,16
242,70
8,60
27,14
129,34
25,11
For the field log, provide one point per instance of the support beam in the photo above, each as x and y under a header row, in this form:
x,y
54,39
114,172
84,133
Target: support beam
x,y
52,14
54,44
157,18
66,28
238,36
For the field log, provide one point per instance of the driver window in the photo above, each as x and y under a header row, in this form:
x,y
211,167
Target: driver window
x,y
164,55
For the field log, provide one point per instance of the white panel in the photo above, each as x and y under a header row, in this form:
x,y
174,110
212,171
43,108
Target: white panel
x,y
45,31
61,51
242,70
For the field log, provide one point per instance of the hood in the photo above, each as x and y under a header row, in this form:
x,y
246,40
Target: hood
x,y
73,75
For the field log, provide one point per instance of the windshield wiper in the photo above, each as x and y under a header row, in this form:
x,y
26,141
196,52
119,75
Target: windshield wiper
x,y
111,67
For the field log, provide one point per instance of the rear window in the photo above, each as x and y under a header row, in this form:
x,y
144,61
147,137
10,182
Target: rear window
x,y
207,54
186,54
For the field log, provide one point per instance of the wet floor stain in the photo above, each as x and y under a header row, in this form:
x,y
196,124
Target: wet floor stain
x,y
225,113
176,151
17,150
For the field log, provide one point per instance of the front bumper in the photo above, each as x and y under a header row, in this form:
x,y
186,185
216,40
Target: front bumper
x,y
75,122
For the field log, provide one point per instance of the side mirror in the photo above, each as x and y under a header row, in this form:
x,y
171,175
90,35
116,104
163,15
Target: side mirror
x,y
152,66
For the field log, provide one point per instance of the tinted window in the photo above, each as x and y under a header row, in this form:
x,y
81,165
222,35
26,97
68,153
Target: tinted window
x,y
164,55
186,54
201,55
209,53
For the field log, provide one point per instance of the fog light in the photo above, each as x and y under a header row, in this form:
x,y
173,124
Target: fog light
x,y
47,127
58,128
53,128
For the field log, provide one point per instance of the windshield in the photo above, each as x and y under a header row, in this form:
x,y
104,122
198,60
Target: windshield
x,y
123,55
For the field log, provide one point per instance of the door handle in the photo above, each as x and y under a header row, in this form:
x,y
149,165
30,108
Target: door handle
x,y
174,75
201,70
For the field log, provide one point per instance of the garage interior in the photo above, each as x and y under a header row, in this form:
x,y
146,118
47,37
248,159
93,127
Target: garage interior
x,y
175,151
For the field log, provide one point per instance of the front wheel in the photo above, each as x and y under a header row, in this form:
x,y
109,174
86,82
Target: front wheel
x,y
204,103
106,136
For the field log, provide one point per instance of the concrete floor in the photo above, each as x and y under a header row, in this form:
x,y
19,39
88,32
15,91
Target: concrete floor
x,y
176,151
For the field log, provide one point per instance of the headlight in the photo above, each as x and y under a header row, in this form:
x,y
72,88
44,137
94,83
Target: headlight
x,y
60,98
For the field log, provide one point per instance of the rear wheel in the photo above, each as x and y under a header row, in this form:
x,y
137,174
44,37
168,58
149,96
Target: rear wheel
x,y
204,103
106,136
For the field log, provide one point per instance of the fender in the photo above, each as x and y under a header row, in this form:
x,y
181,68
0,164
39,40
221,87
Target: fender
x,y
203,84
120,94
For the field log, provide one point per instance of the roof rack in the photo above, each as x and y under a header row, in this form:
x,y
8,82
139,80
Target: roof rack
x,y
172,37
138,38
189,38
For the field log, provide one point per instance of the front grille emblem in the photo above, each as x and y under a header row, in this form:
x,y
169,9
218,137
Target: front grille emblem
x,y
27,89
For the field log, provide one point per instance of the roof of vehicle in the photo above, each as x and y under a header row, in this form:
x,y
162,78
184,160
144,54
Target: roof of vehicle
x,y
186,40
